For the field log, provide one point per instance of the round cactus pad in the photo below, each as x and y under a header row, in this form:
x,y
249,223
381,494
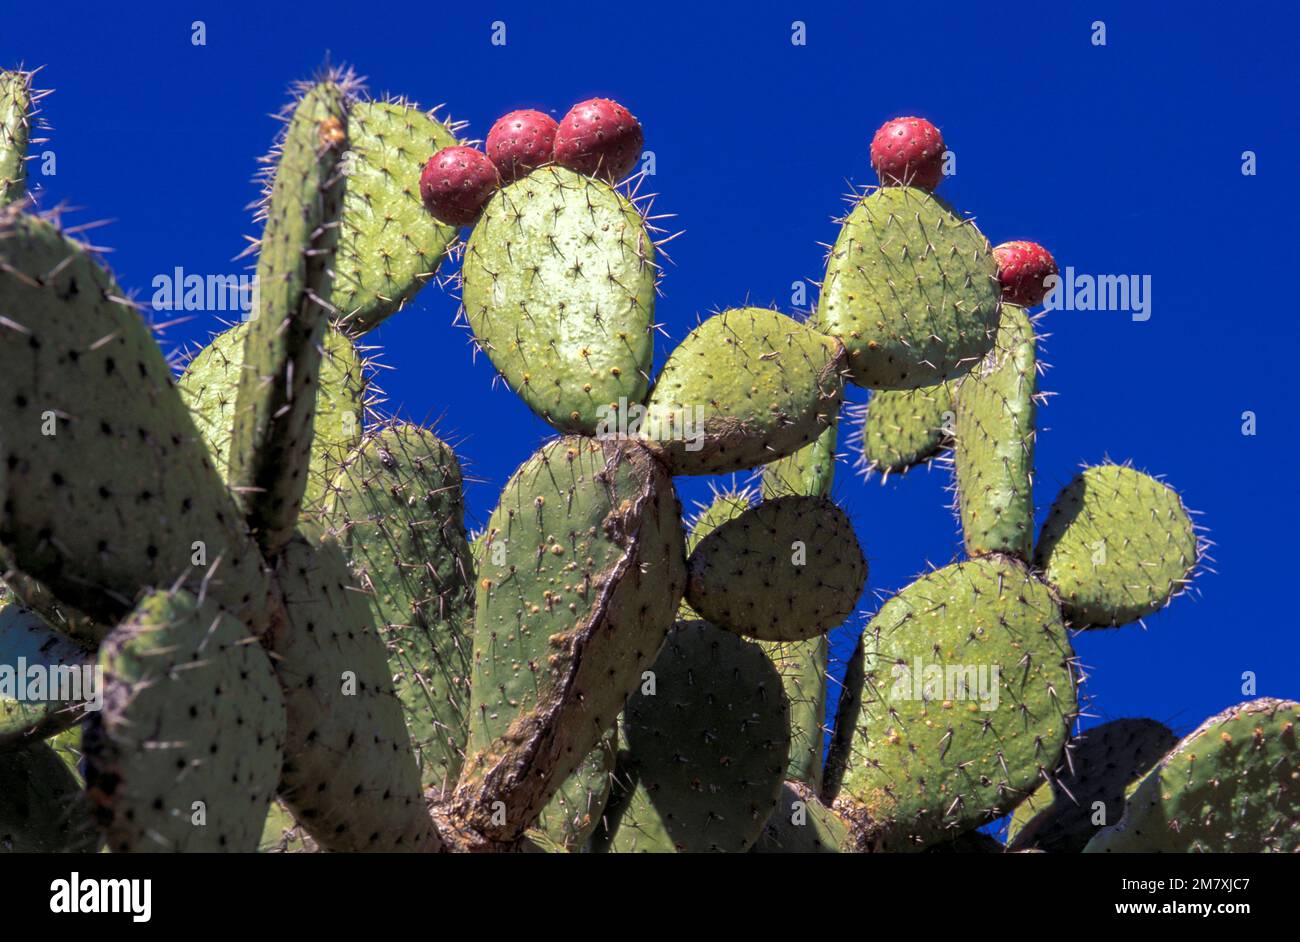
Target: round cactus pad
x,y
911,289
902,428
559,288
968,698
1117,545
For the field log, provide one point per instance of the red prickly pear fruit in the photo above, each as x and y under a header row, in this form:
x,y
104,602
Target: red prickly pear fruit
x,y
1023,269
456,183
520,142
599,138
908,151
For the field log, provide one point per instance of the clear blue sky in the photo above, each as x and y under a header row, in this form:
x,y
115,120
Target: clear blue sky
x,y
1122,159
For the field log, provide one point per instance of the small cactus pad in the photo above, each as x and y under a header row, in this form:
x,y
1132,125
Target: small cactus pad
x,y
574,812
1229,787
1061,815
787,570
349,776
15,132
42,807
708,739
911,289
801,824
899,429
46,679
810,471
802,666
994,452
107,485
399,513
211,382
185,754
969,696
559,288
746,387
587,586
276,401
389,247
1117,545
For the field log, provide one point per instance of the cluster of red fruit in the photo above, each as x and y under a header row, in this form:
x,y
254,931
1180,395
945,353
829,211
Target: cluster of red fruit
x,y
598,137
909,152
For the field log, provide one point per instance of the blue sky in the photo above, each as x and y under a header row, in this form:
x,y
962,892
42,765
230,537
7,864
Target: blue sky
x,y
1122,159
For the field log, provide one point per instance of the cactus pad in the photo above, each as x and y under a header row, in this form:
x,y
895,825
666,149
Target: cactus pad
x,y
107,486
574,812
63,670
1058,818
911,289
591,574
559,287
1117,545
801,824
787,570
185,755
810,471
1228,787
15,133
399,512
969,697
899,429
42,807
746,387
707,749
276,401
389,246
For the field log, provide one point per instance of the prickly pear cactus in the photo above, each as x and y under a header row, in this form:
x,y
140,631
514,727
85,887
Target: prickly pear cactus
x,y
899,429
42,807
17,114
559,288
801,824
1228,787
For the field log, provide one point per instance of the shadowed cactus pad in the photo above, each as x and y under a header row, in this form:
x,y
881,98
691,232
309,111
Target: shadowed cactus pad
x,y
42,807
559,287
108,486
801,824
389,246
588,580
746,387
911,289
1228,787
1117,545
1105,760
787,570
901,428
575,810
185,755
994,453
968,699
399,512
64,672
707,743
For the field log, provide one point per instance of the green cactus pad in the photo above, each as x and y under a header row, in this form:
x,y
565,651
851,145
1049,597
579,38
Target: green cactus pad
x,y
42,807
899,429
801,824
847,713
282,834
559,288
1117,545
15,133
275,403
787,570
211,382
390,246
810,471
590,577
46,679
707,749
399,512
994,451
1229,787
349,776
746,387
574,812
185,754
1105,760
911,289
969,696
802,666
108,486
